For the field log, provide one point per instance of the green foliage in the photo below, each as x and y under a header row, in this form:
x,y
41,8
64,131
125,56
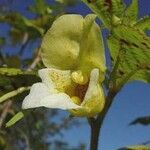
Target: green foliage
x,y
2,41
40,7
117,8
15,119
67,2
131,13
143,23
130,51
13,93
137,147
100,8
11,71
141,120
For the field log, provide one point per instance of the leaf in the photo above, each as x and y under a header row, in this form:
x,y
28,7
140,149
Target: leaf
x,y
40,7
20,22
141,120
2,41
10,71
143,23
13,93
67,2
118,8
131,13
15,119
4,81
100,8
136,147
14,72
130,52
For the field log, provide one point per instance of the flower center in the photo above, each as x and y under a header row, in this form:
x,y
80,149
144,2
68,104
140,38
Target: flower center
x,y
80,91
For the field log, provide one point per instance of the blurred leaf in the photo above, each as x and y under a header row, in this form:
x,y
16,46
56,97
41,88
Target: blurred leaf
x,y
141,120
14,72
101,9
131,13
20,22
118,8
2,143
143,23
13,93
2,41
40,7
137,147
16,61
67,2
10,71
4,81
15,119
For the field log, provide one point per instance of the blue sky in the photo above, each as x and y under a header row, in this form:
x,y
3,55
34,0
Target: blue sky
x,y
133,101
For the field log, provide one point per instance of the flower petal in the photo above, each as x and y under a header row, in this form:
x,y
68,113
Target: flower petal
x,y
94,98
92,53
41,96
60,80
93,87
61,44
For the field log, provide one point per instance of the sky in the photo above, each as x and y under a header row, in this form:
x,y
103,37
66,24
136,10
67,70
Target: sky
x,y
133,100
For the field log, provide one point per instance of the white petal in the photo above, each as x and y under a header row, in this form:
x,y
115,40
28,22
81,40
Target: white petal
x,y
93,85
59,80
41,96
44,75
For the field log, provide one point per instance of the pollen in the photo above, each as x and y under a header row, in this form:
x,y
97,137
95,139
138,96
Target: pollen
x,y
79,78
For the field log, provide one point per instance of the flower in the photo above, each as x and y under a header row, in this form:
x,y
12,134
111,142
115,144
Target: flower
x,y
72,51
57,90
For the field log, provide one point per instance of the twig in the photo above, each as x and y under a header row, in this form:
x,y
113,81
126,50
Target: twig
x,y
13,93
24,43
35,62
7,106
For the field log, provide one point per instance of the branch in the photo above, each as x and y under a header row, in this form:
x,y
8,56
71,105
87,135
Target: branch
x,y
35,61
96,123
7,106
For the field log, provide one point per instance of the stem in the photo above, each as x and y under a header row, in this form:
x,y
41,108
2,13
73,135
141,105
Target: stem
x,y
96,124
95,131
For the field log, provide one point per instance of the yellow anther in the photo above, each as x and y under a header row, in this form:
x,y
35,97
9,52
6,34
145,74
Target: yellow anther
x,y
76,100
79,78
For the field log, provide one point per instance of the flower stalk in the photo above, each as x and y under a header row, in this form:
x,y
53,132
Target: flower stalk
x,y
96,123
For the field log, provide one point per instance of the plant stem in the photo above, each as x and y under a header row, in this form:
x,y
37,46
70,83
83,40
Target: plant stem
x,y
96,124
95,131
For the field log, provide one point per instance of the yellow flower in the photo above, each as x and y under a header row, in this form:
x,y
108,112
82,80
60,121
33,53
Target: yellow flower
x,y
72,51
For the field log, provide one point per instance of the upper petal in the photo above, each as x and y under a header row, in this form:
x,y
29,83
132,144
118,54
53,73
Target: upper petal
x,y
61,44
92,53
74,42
40,95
